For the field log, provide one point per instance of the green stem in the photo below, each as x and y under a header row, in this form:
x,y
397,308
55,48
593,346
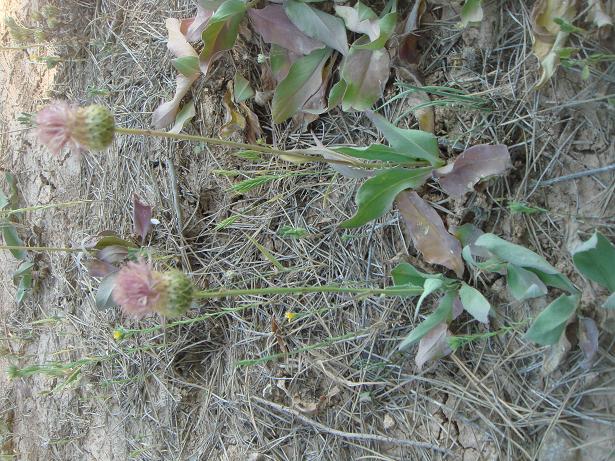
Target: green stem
x,y
392,291
21,247
298,154
43,207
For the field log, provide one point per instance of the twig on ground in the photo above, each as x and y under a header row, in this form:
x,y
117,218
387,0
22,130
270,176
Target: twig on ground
x,y
349,435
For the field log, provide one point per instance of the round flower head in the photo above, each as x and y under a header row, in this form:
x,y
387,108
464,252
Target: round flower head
x,y
140,290
79,128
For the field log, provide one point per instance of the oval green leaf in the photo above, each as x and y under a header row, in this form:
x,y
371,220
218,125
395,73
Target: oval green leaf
x,y
375,197
550,323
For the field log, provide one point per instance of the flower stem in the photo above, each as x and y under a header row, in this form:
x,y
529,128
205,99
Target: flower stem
x,y
391,291
21,247
291,155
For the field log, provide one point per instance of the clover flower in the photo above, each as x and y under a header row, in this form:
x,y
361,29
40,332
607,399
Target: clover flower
x,y
62,125
140,290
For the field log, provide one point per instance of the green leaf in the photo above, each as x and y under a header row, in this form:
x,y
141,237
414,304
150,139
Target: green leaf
x,y
475,303
375,197
378,152
514,254
524,284
183,116
303,80
555,280
103,299
595,259
414,143
429,286
407,274
365,73
336,94
11,238
549,325
242,90
318,25
23,279
443,313
4,200
472,11
109,240
221,31
187,65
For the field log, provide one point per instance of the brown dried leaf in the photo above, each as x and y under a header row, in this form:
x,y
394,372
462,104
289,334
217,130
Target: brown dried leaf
x,y
428,233
548,37
433,345
234,121
476,163
588,341
253,129
273,25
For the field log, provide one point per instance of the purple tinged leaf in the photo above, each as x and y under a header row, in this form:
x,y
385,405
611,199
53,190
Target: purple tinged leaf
x,y
588,341
141,217
434,345
471,166
273,25
193,27
221,31
365,72
428,233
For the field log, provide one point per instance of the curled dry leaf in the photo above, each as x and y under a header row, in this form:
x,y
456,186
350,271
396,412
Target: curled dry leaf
x,y
588,341
471,166
273,25
178,45
193,28
428,233
434,345
549,38
141,217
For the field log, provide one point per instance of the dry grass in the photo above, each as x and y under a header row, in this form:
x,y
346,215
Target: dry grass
x,y
177,393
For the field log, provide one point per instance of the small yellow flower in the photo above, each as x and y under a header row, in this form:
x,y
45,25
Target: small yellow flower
x,y
119,334
290,316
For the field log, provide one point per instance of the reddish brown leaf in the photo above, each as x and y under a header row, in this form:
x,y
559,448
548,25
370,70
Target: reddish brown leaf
x,y
433,345
428,233
471,166
273,25
98,268
141,217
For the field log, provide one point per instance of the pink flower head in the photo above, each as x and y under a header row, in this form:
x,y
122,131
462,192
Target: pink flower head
x,y
139,290
79,128
56,126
